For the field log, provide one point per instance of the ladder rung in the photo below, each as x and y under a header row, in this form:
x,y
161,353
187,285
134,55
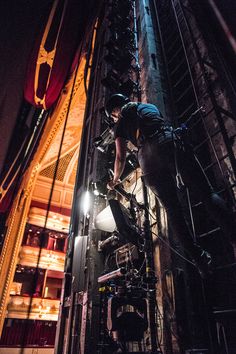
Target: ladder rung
x,y
167,35
216,162
224,312
184,93
181,79
197,121
227,113
173,43
209,232
207,138
177,66
208,64
226,266
173,56
187,109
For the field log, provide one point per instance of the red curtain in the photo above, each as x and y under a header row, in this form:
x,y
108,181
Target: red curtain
x,y
68,24
6,201
28,333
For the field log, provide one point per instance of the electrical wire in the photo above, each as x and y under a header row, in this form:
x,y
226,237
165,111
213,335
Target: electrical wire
x,y
162,318
139,270
51,191
167,243
172,248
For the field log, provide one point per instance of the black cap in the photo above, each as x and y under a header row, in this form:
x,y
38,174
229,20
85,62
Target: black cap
x,y
117,100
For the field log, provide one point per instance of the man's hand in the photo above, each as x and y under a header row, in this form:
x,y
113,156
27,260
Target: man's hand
x,y
112,184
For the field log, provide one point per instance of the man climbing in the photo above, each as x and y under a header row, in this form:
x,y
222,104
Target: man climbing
x,y
166,164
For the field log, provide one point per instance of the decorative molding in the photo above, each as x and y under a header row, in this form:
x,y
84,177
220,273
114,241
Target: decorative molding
x,y
61,109
20,208
55,221
13,239
71,171
24,307
60,193
45,259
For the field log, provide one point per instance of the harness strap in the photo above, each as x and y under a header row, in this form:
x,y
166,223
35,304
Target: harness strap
x,y
138,134
179,180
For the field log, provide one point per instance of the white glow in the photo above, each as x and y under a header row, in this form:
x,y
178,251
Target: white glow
x,y
96,192
86,203
104,221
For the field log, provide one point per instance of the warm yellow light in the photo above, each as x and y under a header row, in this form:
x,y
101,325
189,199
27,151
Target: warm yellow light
x,y
86,203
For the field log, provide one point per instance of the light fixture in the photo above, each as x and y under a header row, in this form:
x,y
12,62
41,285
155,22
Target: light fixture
x,y
99,188
106,138
105,221
128,86
95,190
126,226
86,203
116,217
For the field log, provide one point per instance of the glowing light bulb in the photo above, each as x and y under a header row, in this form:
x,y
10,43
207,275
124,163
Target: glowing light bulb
x,y
86,202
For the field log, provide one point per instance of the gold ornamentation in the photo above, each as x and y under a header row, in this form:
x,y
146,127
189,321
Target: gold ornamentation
x,y
46,57
19,212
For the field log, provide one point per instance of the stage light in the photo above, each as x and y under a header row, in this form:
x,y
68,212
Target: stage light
x,y
121,62
109,242
123,312
103,140
119,23
111,80
121,48
95,191
131,164
105,221
86,203
120,10
116,217
127,87
99,189
124,223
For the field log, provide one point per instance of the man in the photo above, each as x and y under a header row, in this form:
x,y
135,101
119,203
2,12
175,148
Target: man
x,y
165,162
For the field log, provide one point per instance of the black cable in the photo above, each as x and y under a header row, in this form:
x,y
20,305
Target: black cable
x,y
167,243
162,317
50,196
87,64
172,248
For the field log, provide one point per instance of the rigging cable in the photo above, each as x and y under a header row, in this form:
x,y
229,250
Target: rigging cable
x,y
42,238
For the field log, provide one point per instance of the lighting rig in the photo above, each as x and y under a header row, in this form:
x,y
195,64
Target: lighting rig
x,y
127,283
122,64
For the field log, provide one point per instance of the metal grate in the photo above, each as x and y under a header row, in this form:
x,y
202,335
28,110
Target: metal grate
x,y
62,167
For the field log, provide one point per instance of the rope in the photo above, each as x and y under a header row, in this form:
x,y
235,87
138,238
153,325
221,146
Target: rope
x,y
52,188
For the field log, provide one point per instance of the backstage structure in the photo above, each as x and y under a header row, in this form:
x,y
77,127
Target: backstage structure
x,y
85,269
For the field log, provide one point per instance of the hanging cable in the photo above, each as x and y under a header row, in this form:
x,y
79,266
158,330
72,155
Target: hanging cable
x,y
42,238
88,58
172,249
194,87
